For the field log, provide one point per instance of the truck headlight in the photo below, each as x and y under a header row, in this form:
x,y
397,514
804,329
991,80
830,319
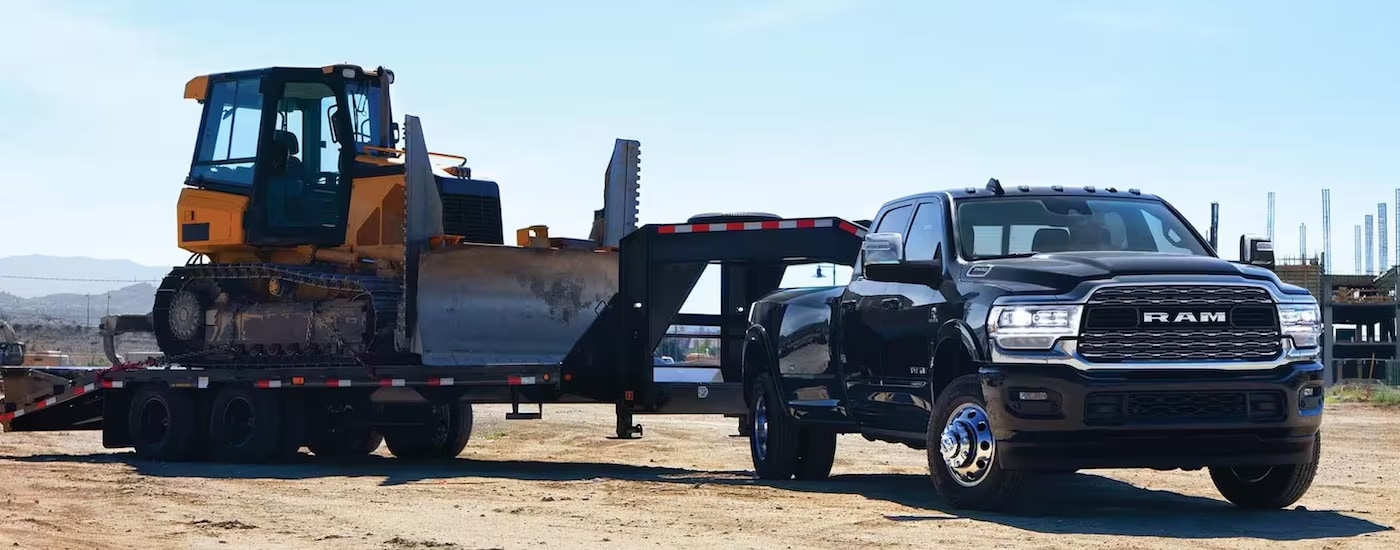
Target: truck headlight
x,y
1302,323
1032,326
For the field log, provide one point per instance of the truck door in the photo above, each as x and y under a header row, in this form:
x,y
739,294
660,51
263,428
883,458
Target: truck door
x,y
865,306
907,332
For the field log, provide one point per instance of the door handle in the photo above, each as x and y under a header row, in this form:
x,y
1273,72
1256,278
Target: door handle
x,y
889,303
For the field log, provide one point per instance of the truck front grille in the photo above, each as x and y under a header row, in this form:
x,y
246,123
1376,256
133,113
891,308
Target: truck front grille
x,y
1179,323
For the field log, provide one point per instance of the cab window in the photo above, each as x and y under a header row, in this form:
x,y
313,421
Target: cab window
x,y
228,144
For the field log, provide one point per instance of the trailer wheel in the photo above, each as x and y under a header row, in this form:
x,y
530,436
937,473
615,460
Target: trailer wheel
x,y
961,450
163,423
443,435
244,424
773,443
345,442
1267,486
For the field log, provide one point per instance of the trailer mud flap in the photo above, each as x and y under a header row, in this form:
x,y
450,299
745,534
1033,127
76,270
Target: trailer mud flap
x,y
486,304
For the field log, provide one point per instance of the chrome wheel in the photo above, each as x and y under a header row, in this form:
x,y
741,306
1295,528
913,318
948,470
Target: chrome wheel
x,y
967,445
760,428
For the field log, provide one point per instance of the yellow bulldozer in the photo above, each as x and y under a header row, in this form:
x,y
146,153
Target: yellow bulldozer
x,y
316,240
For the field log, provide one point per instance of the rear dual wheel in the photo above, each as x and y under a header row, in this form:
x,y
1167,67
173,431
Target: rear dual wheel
x,y
251,425
163,423
443,432
781,448
240,424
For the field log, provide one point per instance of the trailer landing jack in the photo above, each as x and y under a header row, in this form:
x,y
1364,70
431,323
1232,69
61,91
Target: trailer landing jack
x,y
625,428
515,413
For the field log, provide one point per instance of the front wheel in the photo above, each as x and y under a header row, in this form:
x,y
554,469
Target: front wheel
x,y
962,450
1269,487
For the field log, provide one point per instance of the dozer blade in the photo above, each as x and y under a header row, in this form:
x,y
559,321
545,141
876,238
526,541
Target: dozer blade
x,y
485,304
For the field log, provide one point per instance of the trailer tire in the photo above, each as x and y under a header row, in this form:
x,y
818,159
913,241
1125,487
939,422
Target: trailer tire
x,y
442,437
1268,487
773,443
245,424
163,423
348,442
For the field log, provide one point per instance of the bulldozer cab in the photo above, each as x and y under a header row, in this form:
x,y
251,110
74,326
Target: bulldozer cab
x,y
287,138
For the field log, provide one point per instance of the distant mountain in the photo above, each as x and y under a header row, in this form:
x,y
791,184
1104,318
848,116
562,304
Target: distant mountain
x,y
36,275
71,308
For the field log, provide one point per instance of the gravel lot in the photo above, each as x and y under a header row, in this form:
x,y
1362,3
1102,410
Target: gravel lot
x,y
561,483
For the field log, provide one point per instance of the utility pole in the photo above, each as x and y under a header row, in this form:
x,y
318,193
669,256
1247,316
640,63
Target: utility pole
x,y
88,323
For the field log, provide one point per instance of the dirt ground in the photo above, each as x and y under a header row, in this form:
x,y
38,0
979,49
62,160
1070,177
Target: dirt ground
x,y
561,483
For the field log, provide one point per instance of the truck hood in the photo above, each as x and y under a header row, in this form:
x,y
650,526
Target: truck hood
x,y
1062,272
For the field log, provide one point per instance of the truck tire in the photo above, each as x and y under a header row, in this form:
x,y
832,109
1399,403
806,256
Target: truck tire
x,y
443,436
817,453
245,424
163,423
1267,487
962,450
773,442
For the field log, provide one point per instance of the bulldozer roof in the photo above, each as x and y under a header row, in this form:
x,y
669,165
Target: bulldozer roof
x,y
197,87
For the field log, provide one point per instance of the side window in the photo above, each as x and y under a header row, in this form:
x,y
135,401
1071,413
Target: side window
x,y
895,221
229,144
926,233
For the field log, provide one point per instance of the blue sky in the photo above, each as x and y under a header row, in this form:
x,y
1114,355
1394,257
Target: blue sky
x,y
816,107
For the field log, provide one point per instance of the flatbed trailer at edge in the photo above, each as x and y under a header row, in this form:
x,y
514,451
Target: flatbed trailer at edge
x,y
424,411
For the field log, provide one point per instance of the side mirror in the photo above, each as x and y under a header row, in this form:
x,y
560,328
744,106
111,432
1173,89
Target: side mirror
x,y
882,249
1257,250
883,260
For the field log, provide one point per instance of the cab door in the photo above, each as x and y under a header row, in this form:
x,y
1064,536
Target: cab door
x,y
300,195
909,330
865,308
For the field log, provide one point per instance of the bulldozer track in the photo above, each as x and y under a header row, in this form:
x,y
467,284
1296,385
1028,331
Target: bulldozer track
x,y
383,296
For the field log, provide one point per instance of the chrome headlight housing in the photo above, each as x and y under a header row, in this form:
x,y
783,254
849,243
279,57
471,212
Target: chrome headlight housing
x,y
1033,327
1302,323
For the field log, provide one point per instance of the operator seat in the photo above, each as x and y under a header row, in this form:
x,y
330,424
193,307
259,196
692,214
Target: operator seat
x,y
285,175
1050,239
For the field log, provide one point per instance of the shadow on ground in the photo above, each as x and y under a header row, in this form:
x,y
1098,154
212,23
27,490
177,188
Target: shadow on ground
x,y
1067,504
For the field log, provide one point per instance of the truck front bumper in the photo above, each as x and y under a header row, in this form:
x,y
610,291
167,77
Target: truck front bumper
x,y
1051,417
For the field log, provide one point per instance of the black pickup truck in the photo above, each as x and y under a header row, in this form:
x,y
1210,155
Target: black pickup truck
x,y
1009,331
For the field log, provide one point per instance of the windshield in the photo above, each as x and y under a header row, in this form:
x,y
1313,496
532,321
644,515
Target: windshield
x,y
1002,226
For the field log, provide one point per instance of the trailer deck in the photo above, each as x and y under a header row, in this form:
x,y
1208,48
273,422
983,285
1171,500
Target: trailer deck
x,y
658,267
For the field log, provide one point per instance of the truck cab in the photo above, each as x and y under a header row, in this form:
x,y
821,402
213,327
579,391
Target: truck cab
x,y
1007,331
